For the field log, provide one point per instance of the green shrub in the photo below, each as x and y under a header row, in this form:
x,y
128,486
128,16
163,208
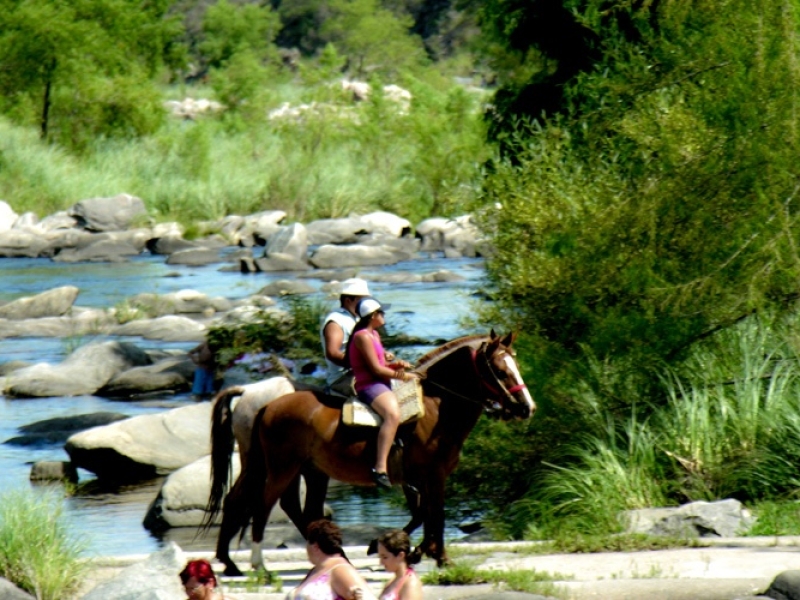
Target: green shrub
x,y
37,553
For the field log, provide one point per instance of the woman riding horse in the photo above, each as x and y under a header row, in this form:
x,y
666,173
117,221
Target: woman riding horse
x,y
301,433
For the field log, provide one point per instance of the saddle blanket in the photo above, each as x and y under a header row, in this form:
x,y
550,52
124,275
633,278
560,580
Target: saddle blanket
x,y
409,397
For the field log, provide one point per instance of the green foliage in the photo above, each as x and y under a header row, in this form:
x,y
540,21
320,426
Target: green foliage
x,y
603,238
523,580
36,551
374,39
290,334
83,69
230,29
776,518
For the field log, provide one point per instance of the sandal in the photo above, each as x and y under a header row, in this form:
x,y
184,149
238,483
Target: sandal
x,y
381,479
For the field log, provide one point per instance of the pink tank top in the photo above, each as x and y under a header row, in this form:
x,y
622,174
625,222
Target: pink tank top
x,y
318,588
365,377
393,591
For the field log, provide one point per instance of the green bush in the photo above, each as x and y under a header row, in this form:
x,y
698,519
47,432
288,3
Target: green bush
x,y
37,553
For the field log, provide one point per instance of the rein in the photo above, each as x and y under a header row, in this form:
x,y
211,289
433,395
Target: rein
x,y
507,392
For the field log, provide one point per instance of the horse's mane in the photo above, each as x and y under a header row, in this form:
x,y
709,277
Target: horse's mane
x,y
439,353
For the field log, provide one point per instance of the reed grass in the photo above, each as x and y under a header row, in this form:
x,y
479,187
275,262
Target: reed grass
x,y
37,553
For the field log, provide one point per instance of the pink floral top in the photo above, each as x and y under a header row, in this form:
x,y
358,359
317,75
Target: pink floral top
x,y
318,588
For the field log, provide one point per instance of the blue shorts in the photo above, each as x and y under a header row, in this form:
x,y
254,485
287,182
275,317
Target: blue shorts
x,y
372,391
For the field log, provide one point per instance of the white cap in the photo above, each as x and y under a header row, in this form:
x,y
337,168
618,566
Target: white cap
x,y
368,306
354,287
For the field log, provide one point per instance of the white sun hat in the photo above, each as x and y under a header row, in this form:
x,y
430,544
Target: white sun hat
x,y
354,287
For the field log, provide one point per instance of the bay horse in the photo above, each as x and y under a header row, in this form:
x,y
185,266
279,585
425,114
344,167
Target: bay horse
x,y
301,434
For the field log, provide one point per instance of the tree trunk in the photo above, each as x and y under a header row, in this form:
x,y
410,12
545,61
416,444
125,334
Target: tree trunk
x,y
46,101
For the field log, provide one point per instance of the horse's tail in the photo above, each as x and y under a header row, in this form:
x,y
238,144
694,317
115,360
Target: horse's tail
x,y
221,450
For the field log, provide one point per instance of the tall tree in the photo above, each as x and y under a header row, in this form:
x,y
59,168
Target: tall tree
x,y
64,48
661,203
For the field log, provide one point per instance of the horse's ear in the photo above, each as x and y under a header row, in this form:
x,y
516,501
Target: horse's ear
x,y
492,335
509,339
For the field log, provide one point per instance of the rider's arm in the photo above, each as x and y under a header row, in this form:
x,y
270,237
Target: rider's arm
x,y
334,336
363,342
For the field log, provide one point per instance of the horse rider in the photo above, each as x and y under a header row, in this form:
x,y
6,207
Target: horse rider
x,y
335,332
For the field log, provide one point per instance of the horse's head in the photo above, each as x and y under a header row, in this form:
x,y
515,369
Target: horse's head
x,y
500,376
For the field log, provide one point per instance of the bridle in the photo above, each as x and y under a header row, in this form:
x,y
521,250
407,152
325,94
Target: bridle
x,y
489,382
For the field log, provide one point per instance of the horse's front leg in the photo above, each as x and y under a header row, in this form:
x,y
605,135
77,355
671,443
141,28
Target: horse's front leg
x,y
275,487
413,502
433,540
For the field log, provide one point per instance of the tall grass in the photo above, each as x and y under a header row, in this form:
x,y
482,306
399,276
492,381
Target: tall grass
x,y
725,423
347,158
36,552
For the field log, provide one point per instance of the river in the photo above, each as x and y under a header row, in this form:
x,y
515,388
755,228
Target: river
x,y
109,521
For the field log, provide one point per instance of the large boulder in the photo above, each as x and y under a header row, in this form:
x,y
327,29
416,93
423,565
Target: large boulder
x,y
180,302
8,591
169,328
330,256
172,374
387,223
786,586
106,250
16,243
52,303
275,262
335,231
58,429
80,322
83,372
725,518
145,446
195,257
155,578
108,214
291,240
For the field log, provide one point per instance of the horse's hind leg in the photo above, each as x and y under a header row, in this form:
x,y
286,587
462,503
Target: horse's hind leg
x,y
316,491
235,514
413,502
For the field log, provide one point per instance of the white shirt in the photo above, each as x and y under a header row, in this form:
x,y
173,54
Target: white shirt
x,y
347,322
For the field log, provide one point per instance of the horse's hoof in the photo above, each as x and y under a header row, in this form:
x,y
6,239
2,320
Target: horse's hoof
x,y
231,570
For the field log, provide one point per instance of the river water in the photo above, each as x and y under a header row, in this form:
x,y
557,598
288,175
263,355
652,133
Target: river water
x,y
109,522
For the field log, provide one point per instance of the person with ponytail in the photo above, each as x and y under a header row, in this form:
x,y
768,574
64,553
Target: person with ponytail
x,y
366,356
333,577
394,553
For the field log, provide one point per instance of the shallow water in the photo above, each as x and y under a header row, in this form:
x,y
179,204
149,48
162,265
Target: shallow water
x,y
109,521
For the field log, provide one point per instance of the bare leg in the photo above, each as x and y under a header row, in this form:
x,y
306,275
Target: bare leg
x,y
386,406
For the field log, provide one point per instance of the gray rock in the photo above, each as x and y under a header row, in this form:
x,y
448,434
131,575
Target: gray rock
x,y
54,470
194,257
169,244
335,231
16,243
58,220
52,303
100,251
385,222
725,518
177,303
80,322
291,240
280,262
169,328
144,446
171,374
329,256
286,287
786,586
83,372
8,591
155,578
57,430
11,366
108,214
442,276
